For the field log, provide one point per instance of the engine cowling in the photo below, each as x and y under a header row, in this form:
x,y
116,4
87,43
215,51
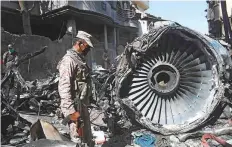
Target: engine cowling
x,y
172,78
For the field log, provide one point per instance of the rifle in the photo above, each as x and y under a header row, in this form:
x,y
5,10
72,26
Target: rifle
x,y
23,59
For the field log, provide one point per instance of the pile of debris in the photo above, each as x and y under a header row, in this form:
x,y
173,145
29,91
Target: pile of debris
x,y
122,111
38,97
38,108
41,98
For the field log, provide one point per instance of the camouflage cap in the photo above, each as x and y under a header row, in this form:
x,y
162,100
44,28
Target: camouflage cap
x,y
85,36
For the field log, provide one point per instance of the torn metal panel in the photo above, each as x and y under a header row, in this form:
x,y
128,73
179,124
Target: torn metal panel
x,y
173,78
44,130
49,143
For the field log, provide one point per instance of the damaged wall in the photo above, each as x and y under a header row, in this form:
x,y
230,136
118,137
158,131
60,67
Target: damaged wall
x,y
40,66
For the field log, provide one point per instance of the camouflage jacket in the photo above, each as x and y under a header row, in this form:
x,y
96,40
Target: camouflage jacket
x,y
74,81
10,59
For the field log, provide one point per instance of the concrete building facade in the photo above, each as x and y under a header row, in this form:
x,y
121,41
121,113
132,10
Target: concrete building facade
x,y
215,18
112,23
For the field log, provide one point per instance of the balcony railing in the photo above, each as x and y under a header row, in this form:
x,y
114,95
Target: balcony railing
x,y
120,16
49,5
124,14
58,3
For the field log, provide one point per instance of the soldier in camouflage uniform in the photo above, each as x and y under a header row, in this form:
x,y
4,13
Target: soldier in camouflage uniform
x,y
75,85
10,61
10,58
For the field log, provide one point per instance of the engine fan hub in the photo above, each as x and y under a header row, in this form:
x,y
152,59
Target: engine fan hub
x,y
163,78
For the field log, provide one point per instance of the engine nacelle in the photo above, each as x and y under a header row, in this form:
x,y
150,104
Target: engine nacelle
x,y
173,78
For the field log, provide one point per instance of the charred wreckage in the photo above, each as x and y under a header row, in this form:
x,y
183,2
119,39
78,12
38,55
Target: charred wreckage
x,y
172,80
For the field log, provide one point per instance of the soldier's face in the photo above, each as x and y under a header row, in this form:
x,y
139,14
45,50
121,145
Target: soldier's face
x,y
86,48
82,47
11,50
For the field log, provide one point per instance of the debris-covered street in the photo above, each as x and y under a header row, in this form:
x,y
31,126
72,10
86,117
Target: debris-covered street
x,y
67,83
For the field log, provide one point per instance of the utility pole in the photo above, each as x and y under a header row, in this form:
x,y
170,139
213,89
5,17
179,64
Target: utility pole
x,y
226,22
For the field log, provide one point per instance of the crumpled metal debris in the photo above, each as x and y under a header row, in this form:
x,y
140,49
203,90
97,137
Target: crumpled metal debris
x,y
41,100
49,143
37,96
118,113
196,134
44,130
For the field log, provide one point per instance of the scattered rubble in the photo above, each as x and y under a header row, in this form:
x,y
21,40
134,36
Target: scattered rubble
x,y
31,116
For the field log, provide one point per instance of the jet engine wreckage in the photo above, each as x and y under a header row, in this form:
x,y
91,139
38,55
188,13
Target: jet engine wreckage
x,y
173,79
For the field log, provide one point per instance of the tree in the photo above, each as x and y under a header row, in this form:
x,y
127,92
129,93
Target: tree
x,y
25,11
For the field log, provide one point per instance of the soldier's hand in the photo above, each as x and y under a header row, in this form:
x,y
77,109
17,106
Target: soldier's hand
x,y
75,116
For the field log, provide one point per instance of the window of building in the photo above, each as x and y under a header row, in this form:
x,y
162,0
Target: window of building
x,y
103,5
126,5
119,5
112,4
16,2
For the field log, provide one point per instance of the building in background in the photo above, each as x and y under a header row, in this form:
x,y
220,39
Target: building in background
x,y
215,18
141,7
146,20
112,23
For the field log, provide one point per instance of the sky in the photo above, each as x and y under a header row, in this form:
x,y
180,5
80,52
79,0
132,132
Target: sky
x,y
187,13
